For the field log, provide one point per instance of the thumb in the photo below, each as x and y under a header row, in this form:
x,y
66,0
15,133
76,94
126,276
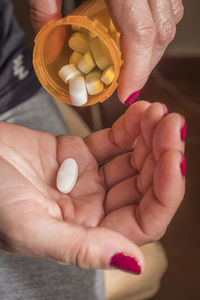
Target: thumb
x,y
89,248
43,11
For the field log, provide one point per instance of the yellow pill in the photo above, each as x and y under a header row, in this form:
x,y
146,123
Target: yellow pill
x,y
75,58
116,37
87,63
111,26
79,29
91,35
79,42
100,53
108,75
93,82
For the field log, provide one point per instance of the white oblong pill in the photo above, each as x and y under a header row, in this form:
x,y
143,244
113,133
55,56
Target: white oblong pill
x,y
68,72
67,175
77,91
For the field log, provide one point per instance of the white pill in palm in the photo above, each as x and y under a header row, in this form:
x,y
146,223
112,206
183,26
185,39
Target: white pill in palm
x,y
77,91
67,175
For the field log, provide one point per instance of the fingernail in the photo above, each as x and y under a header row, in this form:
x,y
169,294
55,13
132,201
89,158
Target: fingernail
x,y
183,165
166,111
125,263
132,98
183,130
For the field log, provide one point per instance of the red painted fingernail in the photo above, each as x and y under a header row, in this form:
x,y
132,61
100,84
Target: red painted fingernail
x,y
132,98
183,165
125,263
183,131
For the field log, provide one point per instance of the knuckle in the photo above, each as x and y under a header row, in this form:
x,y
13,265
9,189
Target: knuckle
x,y
156,236
76,140
153,235
78,254
144,32
61,256
166,31
71,140
178,12
82,255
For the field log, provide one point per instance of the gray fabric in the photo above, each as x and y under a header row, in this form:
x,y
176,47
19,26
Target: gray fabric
x,y
39,112
26,278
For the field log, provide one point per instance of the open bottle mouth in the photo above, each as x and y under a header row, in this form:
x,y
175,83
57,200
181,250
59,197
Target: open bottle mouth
x,y
52,51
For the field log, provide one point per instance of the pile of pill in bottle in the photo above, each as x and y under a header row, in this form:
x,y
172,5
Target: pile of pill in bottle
x,y
90,67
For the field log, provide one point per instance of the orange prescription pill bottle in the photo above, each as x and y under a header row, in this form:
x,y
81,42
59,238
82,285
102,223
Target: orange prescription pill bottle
x,y
51,50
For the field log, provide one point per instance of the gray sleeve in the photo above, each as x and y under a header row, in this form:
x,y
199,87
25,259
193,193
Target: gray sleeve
x,y
18,81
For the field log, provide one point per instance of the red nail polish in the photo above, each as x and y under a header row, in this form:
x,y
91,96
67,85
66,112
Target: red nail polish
x,y
125,263
183,165
183,131
132,98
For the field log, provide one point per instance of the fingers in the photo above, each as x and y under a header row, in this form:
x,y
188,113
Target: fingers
x,y
107,143
116,170
80,246
145,218
148,220
147,27
163,135
150,119
41,12
64,243
160,131
137,41
170,134
122,194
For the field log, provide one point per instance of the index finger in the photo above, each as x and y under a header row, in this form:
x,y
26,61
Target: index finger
x,y
119,139
136,25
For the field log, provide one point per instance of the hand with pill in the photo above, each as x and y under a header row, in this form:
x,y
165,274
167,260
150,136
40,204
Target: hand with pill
x,y
117,198
146,27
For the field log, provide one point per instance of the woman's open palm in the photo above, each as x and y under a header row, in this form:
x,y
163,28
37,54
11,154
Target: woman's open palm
x,y
121,196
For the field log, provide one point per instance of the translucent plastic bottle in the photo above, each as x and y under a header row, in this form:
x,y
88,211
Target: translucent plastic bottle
x,y
51,49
